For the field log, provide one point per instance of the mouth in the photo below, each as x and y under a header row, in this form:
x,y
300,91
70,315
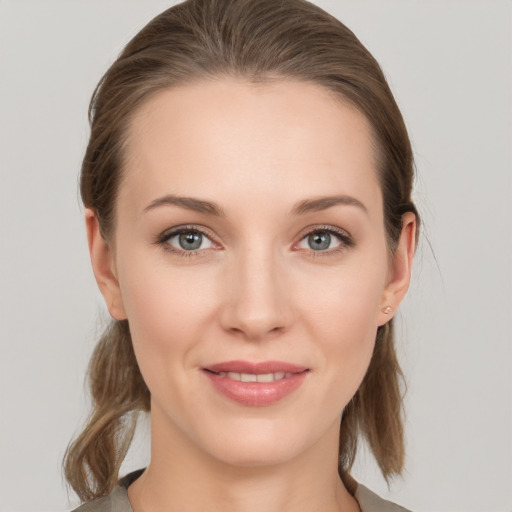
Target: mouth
x,y
256,384
253,377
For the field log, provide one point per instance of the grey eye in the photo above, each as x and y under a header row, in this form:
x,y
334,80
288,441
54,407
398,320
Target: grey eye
x,y
190,241
320,240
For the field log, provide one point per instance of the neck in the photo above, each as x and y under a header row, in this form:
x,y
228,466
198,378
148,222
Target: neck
x,y
181,477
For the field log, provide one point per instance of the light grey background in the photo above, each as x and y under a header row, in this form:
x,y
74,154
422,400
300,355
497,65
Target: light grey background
x,y
449,63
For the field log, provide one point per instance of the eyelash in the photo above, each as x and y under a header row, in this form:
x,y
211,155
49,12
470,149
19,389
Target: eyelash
x,y
167,235
345,239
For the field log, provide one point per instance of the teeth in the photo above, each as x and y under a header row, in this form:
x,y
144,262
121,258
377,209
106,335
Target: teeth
x,y
265,377
251,377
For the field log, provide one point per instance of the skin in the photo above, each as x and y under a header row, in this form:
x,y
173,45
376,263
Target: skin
x,y
255,290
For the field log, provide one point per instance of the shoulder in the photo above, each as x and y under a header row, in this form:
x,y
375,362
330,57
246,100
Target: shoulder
x,y
370,502
116,501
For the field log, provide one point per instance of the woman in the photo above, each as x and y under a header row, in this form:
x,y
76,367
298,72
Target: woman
x,y
247,187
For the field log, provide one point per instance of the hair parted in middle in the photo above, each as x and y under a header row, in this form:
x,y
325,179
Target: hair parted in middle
x,y
256,41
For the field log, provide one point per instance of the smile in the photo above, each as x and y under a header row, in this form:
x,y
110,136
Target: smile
x,y
255,384
252,377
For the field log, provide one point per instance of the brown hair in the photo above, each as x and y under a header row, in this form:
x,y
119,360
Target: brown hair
x,y
256,40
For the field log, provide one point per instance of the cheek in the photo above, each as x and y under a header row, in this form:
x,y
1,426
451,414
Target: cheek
x,y
168,310
345,299
348,334
347,347
343,317
158,293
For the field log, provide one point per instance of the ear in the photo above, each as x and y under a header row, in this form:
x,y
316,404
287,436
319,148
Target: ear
x,y
103,265
400,270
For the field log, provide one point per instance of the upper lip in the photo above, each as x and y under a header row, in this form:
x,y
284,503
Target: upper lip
x,y
256,368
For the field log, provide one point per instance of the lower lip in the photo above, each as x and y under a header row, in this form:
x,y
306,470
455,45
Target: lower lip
x,y
256,394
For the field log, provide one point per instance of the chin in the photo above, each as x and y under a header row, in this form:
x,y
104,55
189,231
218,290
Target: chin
x,y
257,443
255,455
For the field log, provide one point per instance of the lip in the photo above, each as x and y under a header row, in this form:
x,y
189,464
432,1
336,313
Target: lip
x,y
255,394
256,368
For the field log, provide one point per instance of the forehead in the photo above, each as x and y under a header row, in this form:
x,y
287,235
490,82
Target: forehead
x,y
214,138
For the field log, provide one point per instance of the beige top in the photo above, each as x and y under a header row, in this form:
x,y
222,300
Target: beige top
x,y
117,500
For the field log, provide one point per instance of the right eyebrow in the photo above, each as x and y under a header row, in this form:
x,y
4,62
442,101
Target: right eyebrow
x,y
189,203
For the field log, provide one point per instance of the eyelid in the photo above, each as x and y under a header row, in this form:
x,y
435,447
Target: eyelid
x,y
343,236
163,237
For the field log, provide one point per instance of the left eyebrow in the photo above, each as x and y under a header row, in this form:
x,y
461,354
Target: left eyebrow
x,y
323,203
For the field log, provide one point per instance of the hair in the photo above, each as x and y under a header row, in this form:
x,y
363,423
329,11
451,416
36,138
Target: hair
x,y
255,40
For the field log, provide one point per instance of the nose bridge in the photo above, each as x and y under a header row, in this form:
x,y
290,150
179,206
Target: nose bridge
x,y
258,303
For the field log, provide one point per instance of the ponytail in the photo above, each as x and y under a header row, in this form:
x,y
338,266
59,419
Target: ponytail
x,y
118,393
376,411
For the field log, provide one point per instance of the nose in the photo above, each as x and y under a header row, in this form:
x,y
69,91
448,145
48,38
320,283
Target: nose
x,y
257,300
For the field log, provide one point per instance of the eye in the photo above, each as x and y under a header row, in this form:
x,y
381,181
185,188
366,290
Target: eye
x,y
325,240
186,240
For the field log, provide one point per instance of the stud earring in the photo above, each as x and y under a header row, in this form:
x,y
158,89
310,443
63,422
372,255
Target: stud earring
x,y
387,310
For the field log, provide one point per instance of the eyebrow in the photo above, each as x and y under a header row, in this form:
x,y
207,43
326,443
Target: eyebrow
x,y
189,203
323,203
208,207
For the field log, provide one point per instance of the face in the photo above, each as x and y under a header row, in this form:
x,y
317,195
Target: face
x,y
251,261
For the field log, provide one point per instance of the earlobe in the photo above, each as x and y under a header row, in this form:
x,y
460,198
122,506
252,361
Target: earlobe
x,y
400,270
103,265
